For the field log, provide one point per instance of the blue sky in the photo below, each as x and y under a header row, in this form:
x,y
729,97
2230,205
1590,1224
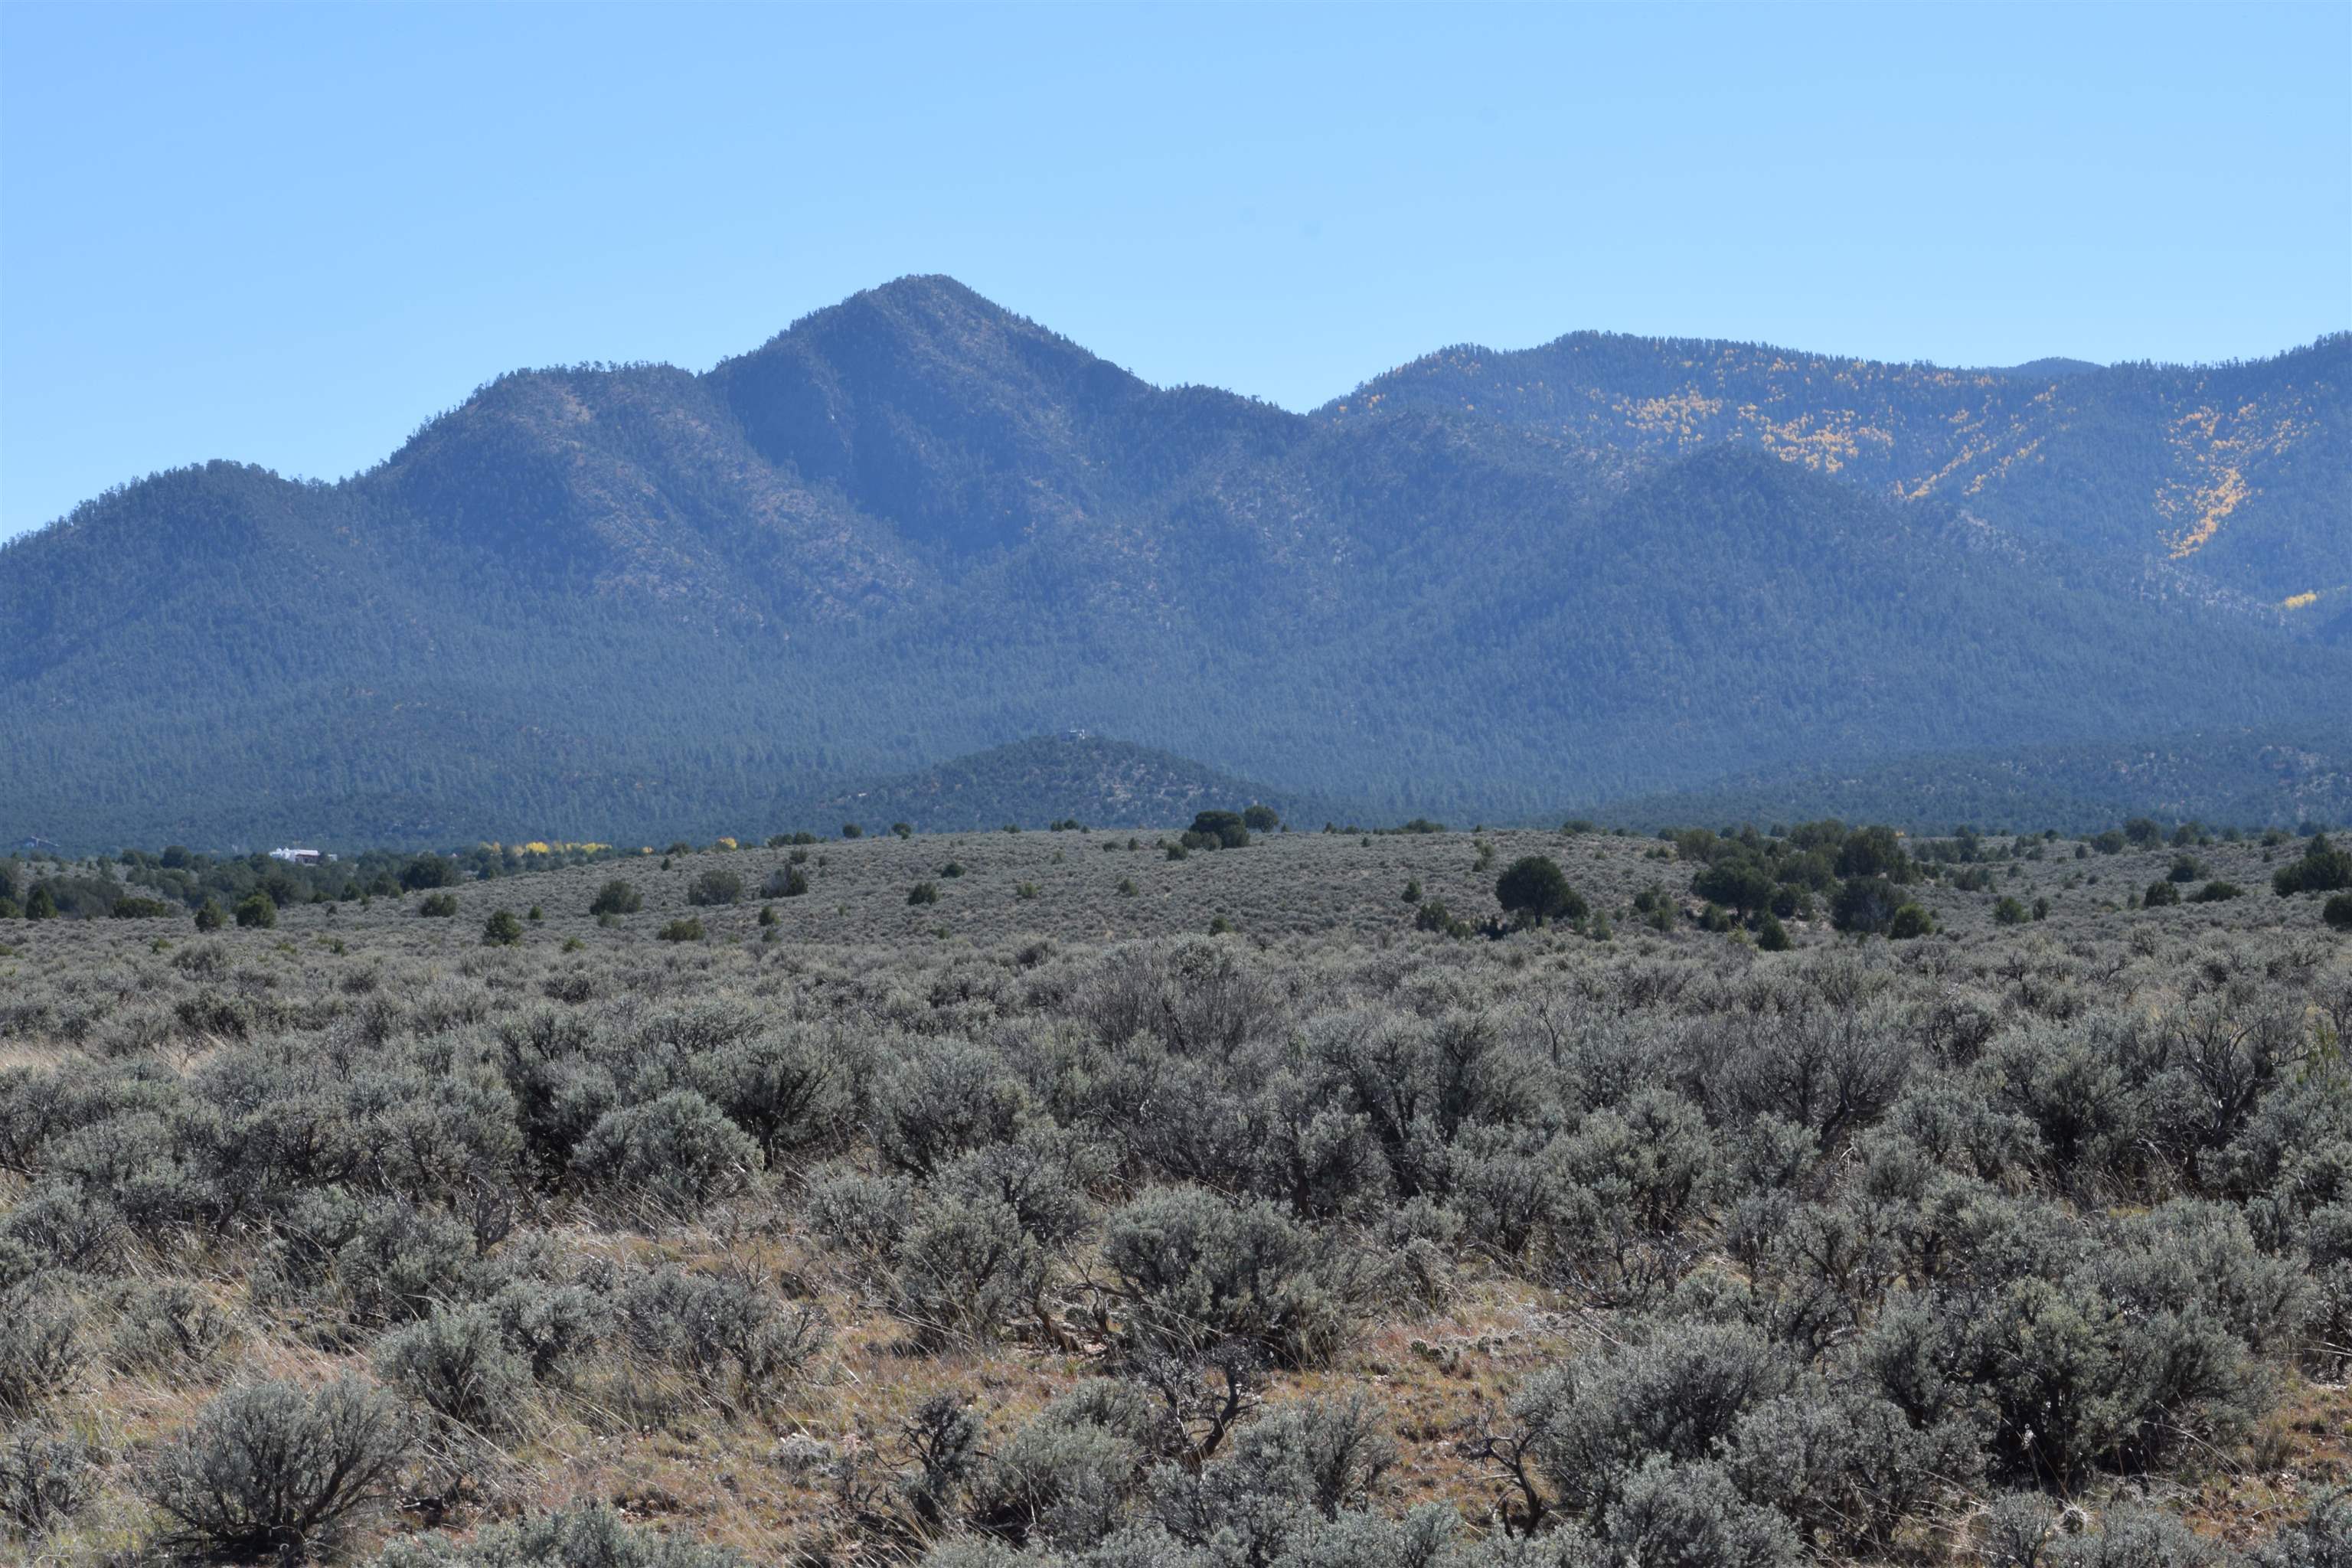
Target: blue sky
x,y
291,234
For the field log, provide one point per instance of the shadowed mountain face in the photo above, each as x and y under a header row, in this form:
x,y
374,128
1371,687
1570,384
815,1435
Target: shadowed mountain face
x,y
971,429
638,602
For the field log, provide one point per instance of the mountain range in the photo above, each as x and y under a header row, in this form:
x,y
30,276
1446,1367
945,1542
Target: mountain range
x,y
632,601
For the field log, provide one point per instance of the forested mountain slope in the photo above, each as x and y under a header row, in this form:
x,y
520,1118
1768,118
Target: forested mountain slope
x,y
632,602
2224,775
2241,474
1050,779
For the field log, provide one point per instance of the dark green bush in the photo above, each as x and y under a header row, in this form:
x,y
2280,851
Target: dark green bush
x,y
716,886
1909,920
1865,904
1873,852
1534,891
1217,830
2323,868
616,898
1432,915
428,871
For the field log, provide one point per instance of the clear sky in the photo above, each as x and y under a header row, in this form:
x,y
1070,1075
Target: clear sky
x,y
291,234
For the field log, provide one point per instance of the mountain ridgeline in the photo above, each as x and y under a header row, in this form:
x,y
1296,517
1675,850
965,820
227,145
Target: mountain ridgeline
x,y
631,602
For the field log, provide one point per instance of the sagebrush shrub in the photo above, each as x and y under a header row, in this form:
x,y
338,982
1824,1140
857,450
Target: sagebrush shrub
x,y
2026,1530
678,1153
1062,1482
965,1269
170,1324
592,1536
733,1334
457,1364
791,1091
857,1212
65,1226
550,1327
2321,1538
399,1261
45,1477
40,1347
2049,1203
267,1471
949,1097
1845,1467
1692,1516
1194,1271
1593,1424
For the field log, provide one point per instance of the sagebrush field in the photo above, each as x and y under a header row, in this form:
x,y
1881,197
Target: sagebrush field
x,y
1072,1198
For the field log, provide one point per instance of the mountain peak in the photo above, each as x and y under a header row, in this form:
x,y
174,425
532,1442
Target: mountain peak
x,y
962,424
917,290
922,314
